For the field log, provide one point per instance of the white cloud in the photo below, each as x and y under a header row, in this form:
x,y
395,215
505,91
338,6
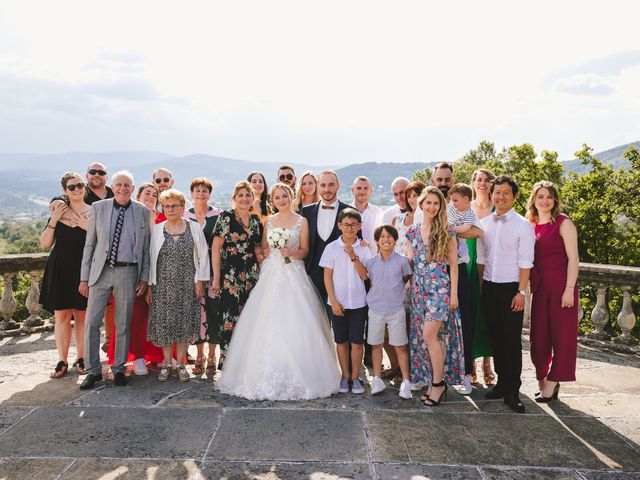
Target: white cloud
x,y
587,84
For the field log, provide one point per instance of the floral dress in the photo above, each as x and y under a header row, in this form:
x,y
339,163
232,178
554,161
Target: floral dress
x,y
238,270
430,290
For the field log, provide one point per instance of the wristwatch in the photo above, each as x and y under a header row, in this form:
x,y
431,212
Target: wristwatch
x,y
522,292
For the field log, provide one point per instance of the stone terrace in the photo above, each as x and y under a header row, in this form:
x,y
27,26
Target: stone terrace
x,y
49,429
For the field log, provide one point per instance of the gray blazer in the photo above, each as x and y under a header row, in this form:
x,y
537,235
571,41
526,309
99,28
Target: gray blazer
x,y
97,244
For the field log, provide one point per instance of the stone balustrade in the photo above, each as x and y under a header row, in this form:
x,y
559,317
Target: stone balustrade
x,y
10,266
602,277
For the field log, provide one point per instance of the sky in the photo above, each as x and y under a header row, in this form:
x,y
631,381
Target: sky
x,y
326,82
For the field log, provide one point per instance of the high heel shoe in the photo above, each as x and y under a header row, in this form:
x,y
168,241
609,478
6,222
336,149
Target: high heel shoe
x,y
554,396
430,402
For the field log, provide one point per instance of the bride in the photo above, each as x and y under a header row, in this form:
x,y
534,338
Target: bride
x,y
282,347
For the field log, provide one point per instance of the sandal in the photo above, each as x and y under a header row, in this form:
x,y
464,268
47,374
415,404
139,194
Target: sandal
x,y
211,366
60,370
489,376
198,367
443,395
79,366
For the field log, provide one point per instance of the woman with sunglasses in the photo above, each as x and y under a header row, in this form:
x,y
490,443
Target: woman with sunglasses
x,y
59,293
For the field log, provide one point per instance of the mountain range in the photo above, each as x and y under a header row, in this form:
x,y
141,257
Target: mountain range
x,y
28,180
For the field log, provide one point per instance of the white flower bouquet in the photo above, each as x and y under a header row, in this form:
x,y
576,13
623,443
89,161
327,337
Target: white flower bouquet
x,y
279,238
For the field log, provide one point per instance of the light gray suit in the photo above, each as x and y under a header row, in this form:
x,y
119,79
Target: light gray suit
x,y
103,281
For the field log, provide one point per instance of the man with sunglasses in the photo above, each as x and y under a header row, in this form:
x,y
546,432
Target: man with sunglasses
x,y
287,176
163,179
97,188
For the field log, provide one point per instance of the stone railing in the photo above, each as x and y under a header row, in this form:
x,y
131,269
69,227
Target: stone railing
x,y
602,277
10,265
599,276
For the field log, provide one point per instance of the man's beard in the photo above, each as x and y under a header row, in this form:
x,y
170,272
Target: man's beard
x,y
444,189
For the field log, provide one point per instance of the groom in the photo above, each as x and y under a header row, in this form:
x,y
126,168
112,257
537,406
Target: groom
x,y
323,226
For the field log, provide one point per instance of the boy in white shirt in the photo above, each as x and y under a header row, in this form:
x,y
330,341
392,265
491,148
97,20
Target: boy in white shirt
x,y
344,276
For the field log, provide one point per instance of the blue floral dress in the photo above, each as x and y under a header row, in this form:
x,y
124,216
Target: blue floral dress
x,y
429,302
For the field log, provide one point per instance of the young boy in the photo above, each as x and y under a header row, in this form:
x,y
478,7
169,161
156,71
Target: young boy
x,y
344,276
461,216
389,272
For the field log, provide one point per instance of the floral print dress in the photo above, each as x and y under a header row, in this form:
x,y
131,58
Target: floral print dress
x,y
238,270
430,291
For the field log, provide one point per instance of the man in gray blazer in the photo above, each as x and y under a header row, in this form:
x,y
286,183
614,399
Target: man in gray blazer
x,y
115,260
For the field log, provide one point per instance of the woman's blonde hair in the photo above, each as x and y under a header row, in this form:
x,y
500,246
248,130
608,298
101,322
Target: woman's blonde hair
x,y
286,188
532,212
173,194
300,195
439,237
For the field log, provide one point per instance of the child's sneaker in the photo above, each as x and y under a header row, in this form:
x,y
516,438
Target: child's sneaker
x,y
356,387
465,388
377,385
344,386
405,390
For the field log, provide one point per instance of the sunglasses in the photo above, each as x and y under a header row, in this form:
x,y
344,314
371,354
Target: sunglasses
x,y
283,177
71,188
93,171
160,180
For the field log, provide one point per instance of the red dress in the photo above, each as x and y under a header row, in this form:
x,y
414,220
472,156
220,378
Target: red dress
x,y
139,346
554,330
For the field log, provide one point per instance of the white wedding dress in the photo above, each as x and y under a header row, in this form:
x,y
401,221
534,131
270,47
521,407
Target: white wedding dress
x,y
282,347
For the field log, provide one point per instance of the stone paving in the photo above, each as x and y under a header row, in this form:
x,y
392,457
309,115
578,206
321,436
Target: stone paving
x,y
49,429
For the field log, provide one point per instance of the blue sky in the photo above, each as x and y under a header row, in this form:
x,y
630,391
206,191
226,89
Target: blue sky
x,y
331,82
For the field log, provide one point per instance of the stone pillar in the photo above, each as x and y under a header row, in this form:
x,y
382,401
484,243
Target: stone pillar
x,y
8,304
626,319
32,304
600,314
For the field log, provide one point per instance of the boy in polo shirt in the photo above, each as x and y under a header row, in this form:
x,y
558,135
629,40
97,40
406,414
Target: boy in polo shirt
x,y
344,276
389,272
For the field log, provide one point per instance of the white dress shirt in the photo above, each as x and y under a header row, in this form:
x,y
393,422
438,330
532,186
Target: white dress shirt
x,y
506,247
348,287
371,219
390,213
327,219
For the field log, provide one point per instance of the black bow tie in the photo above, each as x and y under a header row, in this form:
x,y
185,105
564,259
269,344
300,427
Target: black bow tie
x,y
328,207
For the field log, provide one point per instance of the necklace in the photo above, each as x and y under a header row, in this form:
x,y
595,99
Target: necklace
x,y
176,233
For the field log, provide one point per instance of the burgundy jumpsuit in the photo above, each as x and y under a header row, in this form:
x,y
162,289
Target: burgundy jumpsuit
x,y
554,330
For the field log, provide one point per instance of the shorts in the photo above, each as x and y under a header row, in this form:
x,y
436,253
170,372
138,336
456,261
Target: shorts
x,y
395,322
350,327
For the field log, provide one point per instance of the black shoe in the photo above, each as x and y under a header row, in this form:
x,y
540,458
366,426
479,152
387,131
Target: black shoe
x,y
514,403
119,379
554,396
494,393
90,381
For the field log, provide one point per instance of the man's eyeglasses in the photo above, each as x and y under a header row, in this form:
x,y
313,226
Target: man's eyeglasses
x,y
350,226
94,171
160,180
79,186
284,177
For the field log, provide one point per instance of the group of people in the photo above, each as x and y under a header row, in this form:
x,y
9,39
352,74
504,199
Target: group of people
x,y
295,287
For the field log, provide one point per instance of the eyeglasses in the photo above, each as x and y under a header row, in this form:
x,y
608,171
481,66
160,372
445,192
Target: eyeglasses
x,y
284,177
71,188
350,226
93,171
160,180
172,206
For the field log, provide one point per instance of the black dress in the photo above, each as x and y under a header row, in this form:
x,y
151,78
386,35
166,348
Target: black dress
x,y
62,273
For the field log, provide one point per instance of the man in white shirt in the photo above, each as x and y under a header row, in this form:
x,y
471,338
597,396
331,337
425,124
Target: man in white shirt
x,y
505,259
371,214
397,189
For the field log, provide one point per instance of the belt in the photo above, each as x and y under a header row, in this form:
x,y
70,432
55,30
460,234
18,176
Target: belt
x,y
125,264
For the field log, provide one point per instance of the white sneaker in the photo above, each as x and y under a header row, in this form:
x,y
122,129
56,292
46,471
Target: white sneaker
x,y
140,367
405,390
465,388
377,385
418,386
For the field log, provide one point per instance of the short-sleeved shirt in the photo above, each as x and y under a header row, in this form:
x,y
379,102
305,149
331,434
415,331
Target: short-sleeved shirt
x,y
387,292
456,219
348,287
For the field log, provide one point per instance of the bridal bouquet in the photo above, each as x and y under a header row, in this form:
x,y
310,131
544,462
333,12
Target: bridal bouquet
x,y
279,238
